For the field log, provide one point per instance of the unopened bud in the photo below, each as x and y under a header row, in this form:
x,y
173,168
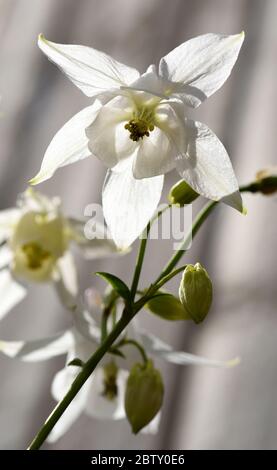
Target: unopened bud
x,y
144,395
267,180
196,292
181,193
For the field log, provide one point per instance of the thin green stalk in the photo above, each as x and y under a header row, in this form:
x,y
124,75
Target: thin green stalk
x,y
155,287
200,218
141,253
140,258
126,342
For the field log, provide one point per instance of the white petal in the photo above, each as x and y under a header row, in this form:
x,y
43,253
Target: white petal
x,y
5,256
159,348
151,84
201,65
69,145
89,69
34,201
11,293
94,242
129,204
61,384
108,139
8,219
155,156
206,166
66,280
38,350
97,405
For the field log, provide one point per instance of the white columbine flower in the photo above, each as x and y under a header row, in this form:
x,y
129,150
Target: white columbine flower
x,y
35,239
138,126
99,398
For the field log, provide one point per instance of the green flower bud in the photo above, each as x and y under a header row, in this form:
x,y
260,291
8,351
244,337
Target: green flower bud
x,y
267,181
196,292
143,396
181,193
168,307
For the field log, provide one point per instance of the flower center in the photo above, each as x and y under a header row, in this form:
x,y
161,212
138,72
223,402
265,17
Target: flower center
x,y
35,255
109,382
141,124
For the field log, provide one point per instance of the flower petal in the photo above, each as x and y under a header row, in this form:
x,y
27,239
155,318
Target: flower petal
x,y
155,156
66,280
95,241
89,69
60,386
97,405
69,145
8,219
5,256
38,350
11,293
108,139
200,66
151,84
159,348
129,204
206,166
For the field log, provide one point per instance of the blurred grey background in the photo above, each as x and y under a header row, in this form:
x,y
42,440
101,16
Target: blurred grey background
x,y
204,408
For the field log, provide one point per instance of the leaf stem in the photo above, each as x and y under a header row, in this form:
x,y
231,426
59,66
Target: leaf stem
x,y
126,342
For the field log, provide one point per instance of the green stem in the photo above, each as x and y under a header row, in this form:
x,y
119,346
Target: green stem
x,y
155,287
142,248
81,378
200,218
126,342
140,258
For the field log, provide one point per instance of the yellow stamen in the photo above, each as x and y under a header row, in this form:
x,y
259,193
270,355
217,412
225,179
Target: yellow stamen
x,y
141,124
35,255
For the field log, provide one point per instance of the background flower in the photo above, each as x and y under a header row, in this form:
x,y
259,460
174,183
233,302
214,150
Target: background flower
x,y
35,240
79,343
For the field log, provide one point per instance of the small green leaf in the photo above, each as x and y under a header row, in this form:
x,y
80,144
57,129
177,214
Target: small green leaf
x,y
167,307
76,362
118,285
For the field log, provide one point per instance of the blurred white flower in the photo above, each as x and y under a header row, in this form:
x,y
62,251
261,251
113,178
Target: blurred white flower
x,y
35,239
98,398
138,123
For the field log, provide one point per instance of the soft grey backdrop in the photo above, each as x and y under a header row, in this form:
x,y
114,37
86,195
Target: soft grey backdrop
x,y
204,408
